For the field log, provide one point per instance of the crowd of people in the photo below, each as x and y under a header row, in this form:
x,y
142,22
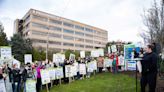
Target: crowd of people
x,y
16,77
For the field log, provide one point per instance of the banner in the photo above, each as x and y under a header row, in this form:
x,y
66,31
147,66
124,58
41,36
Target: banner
x,y
82,69
94,53
52,73
5,52
2,86
131,65
114,48
82,54
68,71
45,76
58,58
28,58
71,57
59,73
30,86
108,62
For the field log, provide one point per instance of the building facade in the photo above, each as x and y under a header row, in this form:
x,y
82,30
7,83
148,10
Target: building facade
x,y
59,33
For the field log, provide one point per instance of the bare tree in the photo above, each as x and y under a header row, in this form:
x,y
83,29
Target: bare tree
x,y
153,19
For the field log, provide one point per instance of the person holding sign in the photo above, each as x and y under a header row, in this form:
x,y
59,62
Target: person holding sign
x,y
149,69
38,75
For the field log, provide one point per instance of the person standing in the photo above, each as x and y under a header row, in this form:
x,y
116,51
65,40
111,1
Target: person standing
x,y
149,69
100,64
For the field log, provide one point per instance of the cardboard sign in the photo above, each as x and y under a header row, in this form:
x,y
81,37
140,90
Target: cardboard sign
x,y
28,58
114,48
68,71
30,86
52,73
82,69
71,57
5,52
58,58
82,54
108,62
59,73
2,86
45,76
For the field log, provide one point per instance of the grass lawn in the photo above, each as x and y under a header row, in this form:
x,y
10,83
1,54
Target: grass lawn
x,y
105,82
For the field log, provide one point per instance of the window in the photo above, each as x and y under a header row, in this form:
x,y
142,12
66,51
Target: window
x,y
54,42
55,28
68,24
97,42
88,35
68,31
79,45
68,44
40,18
39,33
79,27
27,18
88,41
39,41
87,46
88,30
27,25
56,22
39,25
55,35
68,37
79,39
79,33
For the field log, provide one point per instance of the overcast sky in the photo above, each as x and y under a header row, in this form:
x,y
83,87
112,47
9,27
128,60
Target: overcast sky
x,y
121,18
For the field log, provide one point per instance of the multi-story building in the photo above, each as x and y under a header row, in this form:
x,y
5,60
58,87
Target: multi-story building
x,y
59,33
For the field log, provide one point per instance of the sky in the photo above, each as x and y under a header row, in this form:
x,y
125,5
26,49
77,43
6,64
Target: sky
x,y
121,18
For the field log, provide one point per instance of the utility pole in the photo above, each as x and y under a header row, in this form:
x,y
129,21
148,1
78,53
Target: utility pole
x,y
47,46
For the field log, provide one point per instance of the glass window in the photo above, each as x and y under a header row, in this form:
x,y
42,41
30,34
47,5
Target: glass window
x,y
38,41
54,42
97,42
68,31
68,44
79,39
88,41
55,28
68,24
39,25
55,35
87,46
79,33
56,22
79,27
39,33
68,37
79,45
40,18
88,35
88,30
27,18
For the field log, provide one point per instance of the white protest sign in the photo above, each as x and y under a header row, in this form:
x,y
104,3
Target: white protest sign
x,y
95,64
45,76
114,48
58,58
94,53
109,49
74,69
107,62
5,52
28,58
2,86
101,52
90,67
82,69
121,61
30,86
52,73
59,73
82,54
68,71
72,57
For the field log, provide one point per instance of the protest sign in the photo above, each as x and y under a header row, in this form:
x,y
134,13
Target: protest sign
x,y
101,52
30,86
68,71
131,65
95,65
2,86
59,73
139,66
121,61
90,67
109,49
107,62
28,58
5,52
45,76
82,54
82,69
52,73
72,57
94,53
74,69
58,58
114,48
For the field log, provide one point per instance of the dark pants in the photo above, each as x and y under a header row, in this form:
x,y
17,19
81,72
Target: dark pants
x,y
100,69
38,84
150,79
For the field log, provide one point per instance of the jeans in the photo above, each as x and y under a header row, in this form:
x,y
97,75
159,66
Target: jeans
x,y
16,87
114,69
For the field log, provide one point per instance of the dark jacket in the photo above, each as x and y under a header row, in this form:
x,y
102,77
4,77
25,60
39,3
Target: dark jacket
x,y
16,75
149,63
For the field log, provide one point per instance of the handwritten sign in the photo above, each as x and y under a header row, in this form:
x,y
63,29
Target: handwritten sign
x,y
52,73
59,73
72,57
82,54
58,58
28,58
114,48
5,52
30,86
82,69
45,76
108,62
68,71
